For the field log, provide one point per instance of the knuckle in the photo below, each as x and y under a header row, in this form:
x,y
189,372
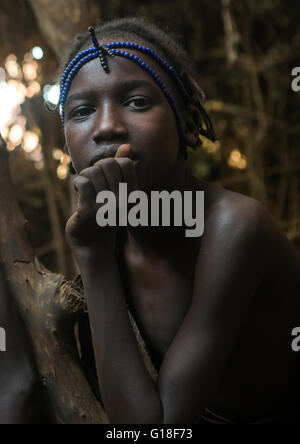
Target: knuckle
x,y
104,162
90,174
85,171
81,181
125,161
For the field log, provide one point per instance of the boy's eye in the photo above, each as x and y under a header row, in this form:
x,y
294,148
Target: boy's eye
x,y
81,112
138,103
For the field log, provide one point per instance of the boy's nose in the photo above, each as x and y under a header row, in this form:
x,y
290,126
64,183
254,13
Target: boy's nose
x,y
109,125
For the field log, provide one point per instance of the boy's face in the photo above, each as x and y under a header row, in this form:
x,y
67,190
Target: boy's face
x,y
125,106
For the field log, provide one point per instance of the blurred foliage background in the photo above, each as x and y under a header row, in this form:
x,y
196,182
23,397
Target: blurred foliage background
x,y
244,52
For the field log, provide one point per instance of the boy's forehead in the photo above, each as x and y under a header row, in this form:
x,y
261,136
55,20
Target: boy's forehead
x,y
122,77
120,67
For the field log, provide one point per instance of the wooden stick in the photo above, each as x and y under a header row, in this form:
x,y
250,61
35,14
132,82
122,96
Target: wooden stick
x,y
47,318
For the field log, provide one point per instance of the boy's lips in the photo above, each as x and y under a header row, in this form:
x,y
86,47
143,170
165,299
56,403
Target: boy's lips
x,y
110,151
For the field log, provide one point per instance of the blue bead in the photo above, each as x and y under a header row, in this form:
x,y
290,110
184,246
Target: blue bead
x,y
91,53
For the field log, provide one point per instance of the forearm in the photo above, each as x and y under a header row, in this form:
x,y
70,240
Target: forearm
x,y
128,393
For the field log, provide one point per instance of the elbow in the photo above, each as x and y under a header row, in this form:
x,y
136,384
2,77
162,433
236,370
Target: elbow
x,y
145,415
141,418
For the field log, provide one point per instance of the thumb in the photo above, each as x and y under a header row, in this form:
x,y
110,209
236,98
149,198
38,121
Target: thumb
x,y
124,150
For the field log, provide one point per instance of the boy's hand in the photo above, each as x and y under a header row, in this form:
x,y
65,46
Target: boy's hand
x,y
82,230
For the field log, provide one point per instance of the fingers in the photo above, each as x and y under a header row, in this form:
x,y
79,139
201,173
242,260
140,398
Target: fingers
x,y
86,197
107,174
128,172
123,156
112,173
96,176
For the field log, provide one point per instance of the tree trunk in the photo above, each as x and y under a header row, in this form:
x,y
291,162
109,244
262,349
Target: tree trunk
x,y
46,314
60,20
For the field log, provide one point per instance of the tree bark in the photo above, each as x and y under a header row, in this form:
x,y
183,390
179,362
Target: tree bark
x,y
46,315
60,20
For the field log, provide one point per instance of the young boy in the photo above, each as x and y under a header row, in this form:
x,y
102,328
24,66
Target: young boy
x,y
216,312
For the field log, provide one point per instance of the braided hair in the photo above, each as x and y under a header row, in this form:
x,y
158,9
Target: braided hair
x,y
166,44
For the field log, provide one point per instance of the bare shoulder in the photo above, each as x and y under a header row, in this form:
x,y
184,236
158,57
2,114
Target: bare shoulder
x,y
231,210
244,223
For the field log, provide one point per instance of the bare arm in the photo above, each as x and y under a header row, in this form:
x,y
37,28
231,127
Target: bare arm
x,y
128,393
232,261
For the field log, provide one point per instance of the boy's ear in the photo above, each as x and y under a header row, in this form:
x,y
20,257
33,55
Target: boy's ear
x,y
192,123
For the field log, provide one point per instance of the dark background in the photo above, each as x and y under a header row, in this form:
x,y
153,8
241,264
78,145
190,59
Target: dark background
x,y
243,51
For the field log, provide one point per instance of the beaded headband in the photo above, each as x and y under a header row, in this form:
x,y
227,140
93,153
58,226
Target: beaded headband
x,y
111,50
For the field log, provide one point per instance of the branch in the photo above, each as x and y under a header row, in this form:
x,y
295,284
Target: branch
x,y
60,20
47,315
